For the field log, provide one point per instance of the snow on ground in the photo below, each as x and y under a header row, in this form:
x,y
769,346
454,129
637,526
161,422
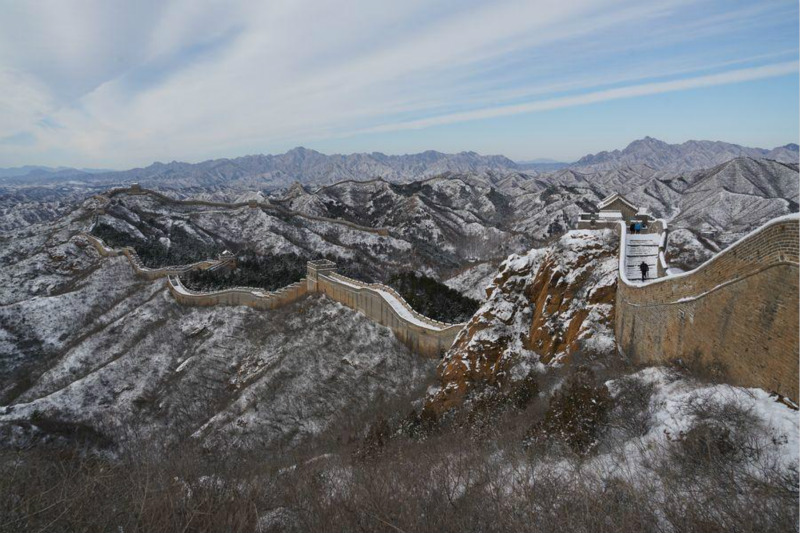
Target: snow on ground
x,y
473,281
233,376
84,341
767,430
319,365
677,400
686,251
543,306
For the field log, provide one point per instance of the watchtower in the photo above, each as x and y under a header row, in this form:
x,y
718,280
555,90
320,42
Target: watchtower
x,y
315,268
611,210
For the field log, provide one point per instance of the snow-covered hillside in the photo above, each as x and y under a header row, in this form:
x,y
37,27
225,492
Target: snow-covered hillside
x,y
86,344
544,307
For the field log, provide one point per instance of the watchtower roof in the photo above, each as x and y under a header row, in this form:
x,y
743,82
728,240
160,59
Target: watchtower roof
x,y
608,200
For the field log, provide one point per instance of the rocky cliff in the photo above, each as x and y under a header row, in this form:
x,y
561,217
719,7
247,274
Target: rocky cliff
x,y
543,309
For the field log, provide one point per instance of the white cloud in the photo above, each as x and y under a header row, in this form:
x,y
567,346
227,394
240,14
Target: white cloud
x,y
130,82
23,101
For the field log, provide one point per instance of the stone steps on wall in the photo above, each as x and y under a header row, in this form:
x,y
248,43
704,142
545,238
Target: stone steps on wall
x,y
642,247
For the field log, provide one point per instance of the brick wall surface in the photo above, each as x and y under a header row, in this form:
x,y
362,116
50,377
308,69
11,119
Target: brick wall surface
x,y
738,312
431,339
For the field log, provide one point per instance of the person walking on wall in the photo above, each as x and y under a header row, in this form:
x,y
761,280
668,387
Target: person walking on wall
x,y
644,268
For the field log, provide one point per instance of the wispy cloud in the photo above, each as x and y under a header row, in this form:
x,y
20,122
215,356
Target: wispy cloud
x,y
116,83
734,76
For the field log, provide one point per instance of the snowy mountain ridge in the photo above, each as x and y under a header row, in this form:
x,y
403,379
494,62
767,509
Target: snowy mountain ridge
x,y
686,157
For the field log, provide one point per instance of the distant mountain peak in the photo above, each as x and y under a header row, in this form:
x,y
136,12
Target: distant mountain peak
x,y
686,157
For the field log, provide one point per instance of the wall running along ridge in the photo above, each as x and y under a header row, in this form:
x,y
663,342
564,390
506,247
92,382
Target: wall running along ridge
x,y
137,190
738,311
249,296
147,272
377,302
384,305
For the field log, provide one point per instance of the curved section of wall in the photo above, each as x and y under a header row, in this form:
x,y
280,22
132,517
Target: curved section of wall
x,y
249,296
138,266
738,311
379,303
383,305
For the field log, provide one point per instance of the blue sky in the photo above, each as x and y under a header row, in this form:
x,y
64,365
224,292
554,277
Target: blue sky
x,y
117,84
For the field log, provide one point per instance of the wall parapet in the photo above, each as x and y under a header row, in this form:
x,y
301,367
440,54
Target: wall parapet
x,y
391,291
737,311
385,306
254,297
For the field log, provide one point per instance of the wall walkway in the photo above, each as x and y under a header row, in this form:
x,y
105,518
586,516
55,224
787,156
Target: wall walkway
x,y
377,302
250,296
385,306
738,311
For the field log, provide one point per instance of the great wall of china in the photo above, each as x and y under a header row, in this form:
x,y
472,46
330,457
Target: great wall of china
x,y
737,312
378,302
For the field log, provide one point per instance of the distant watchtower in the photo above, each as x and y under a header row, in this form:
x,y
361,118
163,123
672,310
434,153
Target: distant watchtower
x,y
611,210
315,268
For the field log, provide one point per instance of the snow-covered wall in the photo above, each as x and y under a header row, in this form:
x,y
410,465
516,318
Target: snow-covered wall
x,y
385,306
737,313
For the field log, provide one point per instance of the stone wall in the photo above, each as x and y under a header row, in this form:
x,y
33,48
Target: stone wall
x,y
147,272
737,312
249,296
385,306
380,303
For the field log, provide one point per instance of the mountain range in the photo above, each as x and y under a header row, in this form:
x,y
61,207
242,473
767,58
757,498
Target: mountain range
x,y
318,400
309,167
686,157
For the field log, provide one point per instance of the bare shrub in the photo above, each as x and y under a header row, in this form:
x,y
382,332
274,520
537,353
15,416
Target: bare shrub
x,y
577,414
724,431
432,478
632,414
